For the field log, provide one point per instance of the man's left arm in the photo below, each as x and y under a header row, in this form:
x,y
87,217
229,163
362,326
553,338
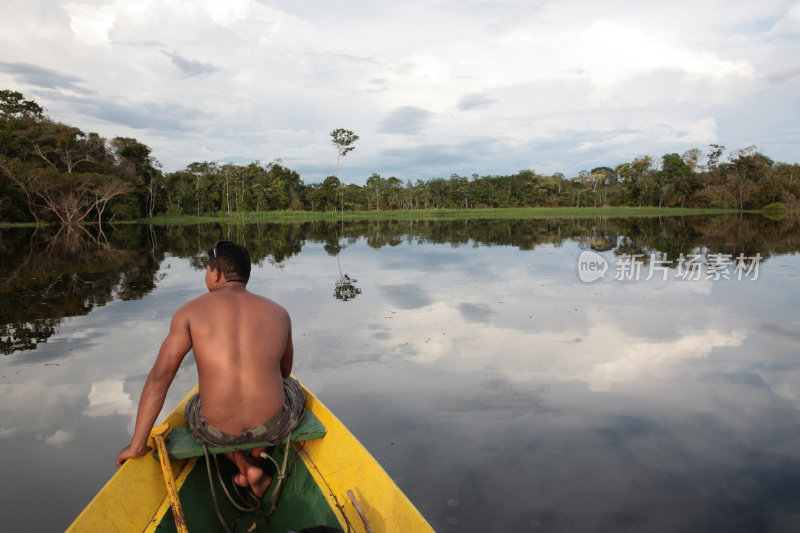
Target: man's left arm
x,y
173,350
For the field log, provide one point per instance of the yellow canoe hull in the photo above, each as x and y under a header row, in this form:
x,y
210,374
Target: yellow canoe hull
x,y
135,498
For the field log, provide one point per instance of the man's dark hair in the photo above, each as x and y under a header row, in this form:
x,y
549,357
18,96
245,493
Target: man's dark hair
x,y
230,259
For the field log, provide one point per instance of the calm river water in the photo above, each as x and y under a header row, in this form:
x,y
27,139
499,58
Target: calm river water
x,y
497,385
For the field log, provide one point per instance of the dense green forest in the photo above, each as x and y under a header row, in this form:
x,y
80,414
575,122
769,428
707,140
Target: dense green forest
x,y
54,172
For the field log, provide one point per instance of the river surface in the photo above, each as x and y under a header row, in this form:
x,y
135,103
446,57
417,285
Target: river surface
x,y
499,383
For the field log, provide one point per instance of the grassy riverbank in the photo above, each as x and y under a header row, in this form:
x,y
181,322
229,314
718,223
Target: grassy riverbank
x,y
437,214
285,217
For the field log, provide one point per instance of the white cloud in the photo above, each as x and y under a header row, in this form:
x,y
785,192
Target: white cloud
x,y
789,23
699,132
784,72
549,84
614,52
225,13
91,23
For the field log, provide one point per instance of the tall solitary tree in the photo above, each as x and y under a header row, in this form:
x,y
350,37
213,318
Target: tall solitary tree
x,y
343,140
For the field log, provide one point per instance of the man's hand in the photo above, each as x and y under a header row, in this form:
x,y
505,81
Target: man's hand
x,y
130,452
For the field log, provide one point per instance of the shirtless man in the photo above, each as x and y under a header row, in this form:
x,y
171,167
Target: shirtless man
x,y
243,348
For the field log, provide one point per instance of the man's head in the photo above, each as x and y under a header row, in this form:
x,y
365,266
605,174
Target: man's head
x,y
232,260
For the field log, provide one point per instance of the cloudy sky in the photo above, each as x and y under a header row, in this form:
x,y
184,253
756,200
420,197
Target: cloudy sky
x,y
431,87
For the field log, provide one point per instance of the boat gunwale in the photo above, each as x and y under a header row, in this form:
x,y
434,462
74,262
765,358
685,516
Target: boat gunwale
x,y
323,458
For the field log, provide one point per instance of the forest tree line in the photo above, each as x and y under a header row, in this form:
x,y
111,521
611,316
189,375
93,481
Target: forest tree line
x,y
53,172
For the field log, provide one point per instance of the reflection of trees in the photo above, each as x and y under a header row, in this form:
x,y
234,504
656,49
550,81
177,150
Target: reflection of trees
x,y
732,234
49,274
725,234
25,335
45,277
345,288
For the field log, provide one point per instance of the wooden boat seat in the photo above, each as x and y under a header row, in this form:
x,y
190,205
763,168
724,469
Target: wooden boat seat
x,y
181,443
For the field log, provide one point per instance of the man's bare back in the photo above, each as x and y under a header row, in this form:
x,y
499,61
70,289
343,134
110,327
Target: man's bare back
x,y
243,349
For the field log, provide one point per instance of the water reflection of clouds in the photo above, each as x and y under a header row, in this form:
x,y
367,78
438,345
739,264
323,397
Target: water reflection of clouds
x,y
59,438
94,366
406,296
600,355
529,348
633,361
477,313
579,461
108,398
593,399
777,332
56,405
626,331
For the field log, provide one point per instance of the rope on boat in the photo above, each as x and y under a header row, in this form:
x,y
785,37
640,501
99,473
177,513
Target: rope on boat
x,y
280,471
254,504
242,505
213,492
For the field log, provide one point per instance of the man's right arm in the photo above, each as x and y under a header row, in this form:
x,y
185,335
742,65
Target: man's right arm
x,y
173,350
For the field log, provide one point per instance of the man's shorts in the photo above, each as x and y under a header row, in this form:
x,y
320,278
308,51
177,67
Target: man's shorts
x,y
273,431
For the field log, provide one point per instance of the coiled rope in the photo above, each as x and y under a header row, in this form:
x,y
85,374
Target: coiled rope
x,y
254,504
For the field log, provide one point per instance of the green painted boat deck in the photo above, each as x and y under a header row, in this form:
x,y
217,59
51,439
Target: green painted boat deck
x,y
181,443
301,503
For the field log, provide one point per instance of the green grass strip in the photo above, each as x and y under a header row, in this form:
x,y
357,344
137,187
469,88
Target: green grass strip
x,y
437,214
285,217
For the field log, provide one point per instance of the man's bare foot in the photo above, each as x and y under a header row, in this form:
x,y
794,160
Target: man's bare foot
x,y
241,480
258,480
250,474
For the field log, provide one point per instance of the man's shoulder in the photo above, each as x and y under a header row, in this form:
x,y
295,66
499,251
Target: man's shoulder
x,y
212,300
269,303
209,299
195,305
203,299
